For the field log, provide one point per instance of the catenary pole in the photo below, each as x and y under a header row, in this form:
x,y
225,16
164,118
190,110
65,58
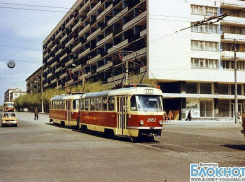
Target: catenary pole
x,y
235,74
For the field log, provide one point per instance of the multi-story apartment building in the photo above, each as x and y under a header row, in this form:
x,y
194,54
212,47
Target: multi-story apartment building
x,y
12,94
34,82
194,66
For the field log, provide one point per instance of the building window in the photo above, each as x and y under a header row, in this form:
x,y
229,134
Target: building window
x,y
231,65
203,10
191,88
206,108
205,88
223,89
204,45
204,63
204,28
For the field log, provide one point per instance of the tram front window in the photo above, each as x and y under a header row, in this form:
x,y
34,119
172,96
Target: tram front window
x,y
146,103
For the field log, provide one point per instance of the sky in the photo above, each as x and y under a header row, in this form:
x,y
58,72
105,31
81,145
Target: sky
x,y
22,32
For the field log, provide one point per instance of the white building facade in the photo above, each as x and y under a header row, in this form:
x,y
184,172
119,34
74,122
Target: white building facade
x,y
195,66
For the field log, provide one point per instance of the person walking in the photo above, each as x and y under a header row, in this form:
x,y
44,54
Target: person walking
x,y
165,116
170,115
189,116
36,114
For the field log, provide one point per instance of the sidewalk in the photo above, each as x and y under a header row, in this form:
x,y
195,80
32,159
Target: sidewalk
x,y
202,122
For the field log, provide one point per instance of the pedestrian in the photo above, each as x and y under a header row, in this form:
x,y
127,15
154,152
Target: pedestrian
x,y
239,117
170,115
189,116
165,116
36,114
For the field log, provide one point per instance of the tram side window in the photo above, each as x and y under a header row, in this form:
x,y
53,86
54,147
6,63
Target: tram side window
x,y
63,104
111,103
104,103
86,104
75,104
133,106
82,104
92,102
98,104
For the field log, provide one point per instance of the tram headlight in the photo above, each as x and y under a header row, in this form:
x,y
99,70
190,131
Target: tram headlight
x,y
141,122
160,122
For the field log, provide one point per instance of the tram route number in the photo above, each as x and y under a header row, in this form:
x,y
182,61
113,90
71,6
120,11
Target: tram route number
x,y
152,120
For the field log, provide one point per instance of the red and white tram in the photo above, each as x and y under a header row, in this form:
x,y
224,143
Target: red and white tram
x,y
63,109
129,112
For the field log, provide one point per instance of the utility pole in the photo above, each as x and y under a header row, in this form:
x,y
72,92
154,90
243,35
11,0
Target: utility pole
x,y
126,79
235,74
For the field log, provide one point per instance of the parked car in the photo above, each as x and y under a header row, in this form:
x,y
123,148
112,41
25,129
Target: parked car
x,y
9,118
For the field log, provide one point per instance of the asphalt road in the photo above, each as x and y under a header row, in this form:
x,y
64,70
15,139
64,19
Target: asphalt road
x,y
40,151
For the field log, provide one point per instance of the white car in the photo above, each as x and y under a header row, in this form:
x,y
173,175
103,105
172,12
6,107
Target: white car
x,y
9,118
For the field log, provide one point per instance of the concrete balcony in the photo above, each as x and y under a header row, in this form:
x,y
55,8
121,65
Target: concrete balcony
x,y
84,7
135,54
112,20
69,42
54,81
143,32
232,4
76,69
50,43
54,47
83,53
58,52
71,22
115,77
84,75
57,70
233,21
63,38
105,39
45,70
64,56
45,55
84,30
94,59
45,85
63,75
50,59
104,12
69,62
229,38
77,25
93,34
69,82
135,20
76,47
54,64
59,34
229,55
104,67
94,8
49,75
118,46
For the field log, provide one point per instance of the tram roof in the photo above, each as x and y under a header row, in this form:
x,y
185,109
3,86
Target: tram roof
x,y
66,97
124,91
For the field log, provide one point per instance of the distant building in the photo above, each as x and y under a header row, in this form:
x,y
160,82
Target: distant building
x,y
12,94
34,82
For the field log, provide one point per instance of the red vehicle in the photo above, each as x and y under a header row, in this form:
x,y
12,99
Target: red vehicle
x,y
128,112
8,107
63,109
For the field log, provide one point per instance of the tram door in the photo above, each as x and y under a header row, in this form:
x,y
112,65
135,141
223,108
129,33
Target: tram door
x,y
68,103
121,114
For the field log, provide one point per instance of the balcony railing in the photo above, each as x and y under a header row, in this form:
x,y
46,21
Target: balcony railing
x,y
115,77
104,67
104,12
236,21
69,62
233,4
63,38
118,46
70,22
112,20
228,55
63,75
76,47
61,58
84,30
50,59
76,69
83,53
94,33
229,38
94,59
84,7
135,20
54,64
94,8
105,39
59,34
68,43
58,52
57,70
135,54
